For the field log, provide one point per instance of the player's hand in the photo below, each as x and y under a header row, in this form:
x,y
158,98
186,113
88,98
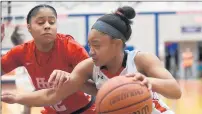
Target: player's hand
x,y
141,77
8,97
58,77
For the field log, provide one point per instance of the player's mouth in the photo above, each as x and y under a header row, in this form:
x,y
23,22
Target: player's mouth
x,y
94,59
47,34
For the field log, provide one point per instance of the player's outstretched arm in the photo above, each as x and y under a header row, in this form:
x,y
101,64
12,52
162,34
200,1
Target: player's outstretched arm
x,y
81,73
37,98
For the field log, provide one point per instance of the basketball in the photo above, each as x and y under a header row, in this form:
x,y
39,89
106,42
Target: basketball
x,y
122,95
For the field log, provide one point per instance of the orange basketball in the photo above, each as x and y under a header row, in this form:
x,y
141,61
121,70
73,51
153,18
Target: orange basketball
x,y
122,95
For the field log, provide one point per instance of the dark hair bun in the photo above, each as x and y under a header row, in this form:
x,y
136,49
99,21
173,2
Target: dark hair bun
x,y
127,11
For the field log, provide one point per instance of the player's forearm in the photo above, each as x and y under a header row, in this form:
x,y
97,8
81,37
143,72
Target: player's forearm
x,y
37,98
166,87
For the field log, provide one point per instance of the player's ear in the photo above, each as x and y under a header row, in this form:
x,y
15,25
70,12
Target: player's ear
x,y
29,27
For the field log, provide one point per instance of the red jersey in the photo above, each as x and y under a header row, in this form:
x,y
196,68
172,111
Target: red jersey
x,y
65,55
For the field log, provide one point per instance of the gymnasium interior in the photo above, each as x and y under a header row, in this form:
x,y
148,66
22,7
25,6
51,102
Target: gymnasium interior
x,y
169,29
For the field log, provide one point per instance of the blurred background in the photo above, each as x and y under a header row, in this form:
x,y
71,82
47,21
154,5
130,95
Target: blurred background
x,y
171,30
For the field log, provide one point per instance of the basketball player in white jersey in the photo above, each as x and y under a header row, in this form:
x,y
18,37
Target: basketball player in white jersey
x,y
107,41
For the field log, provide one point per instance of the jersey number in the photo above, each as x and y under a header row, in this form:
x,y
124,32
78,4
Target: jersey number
x,y
58,107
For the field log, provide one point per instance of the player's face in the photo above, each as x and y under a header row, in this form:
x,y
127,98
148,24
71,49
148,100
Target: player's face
x,y
43,26
102,47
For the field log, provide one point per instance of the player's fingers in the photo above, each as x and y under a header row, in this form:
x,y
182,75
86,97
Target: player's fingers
x,y
144,82
8,99
135,78
52,76
138,77
149,86
130,75
57,79
5,96
67,78
62,79
6,93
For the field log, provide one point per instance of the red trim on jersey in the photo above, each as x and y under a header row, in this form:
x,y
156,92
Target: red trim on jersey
x,y
109,75
159,107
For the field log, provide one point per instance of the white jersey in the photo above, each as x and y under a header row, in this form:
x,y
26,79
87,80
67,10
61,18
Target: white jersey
x,y
159,107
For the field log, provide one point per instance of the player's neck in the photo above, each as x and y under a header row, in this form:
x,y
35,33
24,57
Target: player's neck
x,y
114,66
44,47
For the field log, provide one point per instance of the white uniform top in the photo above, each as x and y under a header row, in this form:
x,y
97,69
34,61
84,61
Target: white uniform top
x,y
159,107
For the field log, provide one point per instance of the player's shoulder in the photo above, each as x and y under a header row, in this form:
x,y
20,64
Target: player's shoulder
x,y
145,56
145,60
27,46
68,41
64,37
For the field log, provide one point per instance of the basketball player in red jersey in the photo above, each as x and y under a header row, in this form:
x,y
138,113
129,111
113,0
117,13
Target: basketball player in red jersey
x,y
47,52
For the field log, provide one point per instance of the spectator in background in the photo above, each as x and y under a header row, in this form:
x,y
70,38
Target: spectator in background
x,y
167,59
187,61
2,31
16,37
176,61
200,66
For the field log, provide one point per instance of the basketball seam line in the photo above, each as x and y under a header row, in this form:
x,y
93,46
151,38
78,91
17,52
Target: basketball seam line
x,y
128,105
113,90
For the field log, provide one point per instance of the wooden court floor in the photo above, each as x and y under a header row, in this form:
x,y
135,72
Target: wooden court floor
x,y
190,102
